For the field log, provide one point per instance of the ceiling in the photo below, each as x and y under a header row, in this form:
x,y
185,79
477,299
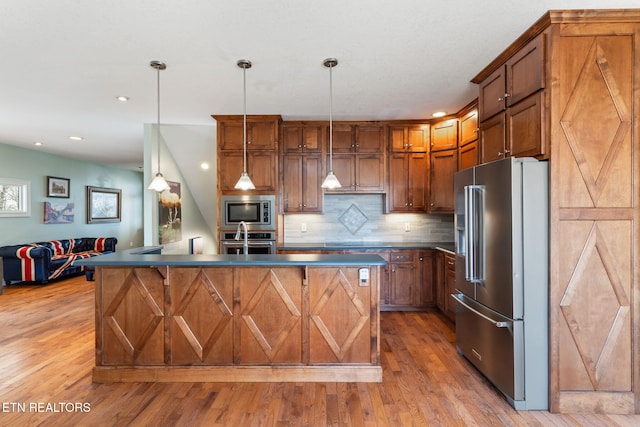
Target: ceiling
x,y
64,62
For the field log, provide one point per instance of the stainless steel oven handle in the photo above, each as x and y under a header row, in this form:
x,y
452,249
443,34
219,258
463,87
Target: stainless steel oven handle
x,y
496,323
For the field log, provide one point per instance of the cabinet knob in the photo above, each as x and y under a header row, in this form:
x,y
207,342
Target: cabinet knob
x,y
304,206
410,145
304,146
406,204
421,259
299,146
410,204
506,95
476,130
248,142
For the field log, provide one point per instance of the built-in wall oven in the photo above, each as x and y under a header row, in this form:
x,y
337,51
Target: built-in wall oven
x,y
259,242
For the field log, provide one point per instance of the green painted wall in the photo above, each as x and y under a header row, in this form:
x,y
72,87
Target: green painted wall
x,y
35,166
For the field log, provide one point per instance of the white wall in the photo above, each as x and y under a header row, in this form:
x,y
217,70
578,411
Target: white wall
x,y
183,149
35,166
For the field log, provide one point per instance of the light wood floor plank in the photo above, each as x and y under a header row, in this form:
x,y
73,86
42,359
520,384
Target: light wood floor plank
x,y
47,354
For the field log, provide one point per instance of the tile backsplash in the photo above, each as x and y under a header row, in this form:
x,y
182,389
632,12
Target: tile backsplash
x,y
360,218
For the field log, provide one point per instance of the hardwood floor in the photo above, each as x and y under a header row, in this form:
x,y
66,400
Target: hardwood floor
x,y
47,353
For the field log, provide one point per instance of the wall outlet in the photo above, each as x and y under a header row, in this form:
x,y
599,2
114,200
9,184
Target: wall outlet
x,y
131,244
303,227
407,227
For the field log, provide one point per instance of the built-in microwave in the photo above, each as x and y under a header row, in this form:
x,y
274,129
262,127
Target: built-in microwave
x,y
258,211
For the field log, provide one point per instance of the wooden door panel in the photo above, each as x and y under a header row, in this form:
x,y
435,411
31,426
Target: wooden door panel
x,y
468,156
201,315
418,181
403,286
292,185
270,307
261,166
312,179
468,128
133,316
398,138
370,139
342,334
491,94
419,138
444,135
443,166
525,71
312,139
370,172
492,139
398,182
593,224
343,138
344,167
525,127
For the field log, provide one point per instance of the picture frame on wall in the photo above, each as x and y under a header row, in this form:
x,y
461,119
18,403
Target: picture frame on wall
x,y
58,187
103,205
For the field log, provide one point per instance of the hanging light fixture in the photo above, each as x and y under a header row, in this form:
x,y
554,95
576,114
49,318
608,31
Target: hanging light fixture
x,y
244,183
331,181
158,184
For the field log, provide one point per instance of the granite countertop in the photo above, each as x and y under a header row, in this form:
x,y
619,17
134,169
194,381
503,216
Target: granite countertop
x,y
130,259
337,246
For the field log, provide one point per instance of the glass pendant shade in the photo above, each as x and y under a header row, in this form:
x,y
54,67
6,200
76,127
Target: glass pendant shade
x,y
331,181
244,183
158,184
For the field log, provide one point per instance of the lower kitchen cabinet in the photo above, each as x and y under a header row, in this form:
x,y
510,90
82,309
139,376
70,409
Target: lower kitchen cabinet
x,y
445,283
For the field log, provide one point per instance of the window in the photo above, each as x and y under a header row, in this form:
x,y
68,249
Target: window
x,y
15,197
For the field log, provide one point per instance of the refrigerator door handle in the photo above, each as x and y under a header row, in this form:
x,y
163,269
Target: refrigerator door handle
x,y
496,323
474,210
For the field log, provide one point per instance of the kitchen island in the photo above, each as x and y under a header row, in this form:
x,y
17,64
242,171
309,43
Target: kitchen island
x,y
192,318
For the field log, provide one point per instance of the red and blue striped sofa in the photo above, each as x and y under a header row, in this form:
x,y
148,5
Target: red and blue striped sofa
x,y
44,261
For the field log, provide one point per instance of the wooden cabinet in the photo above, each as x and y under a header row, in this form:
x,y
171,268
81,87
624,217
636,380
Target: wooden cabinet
x,y
404,287
444,165
445,283
359,164
302,138
302,177
511,106
468,156
262,157
261,167
408,182
444,135
584,88
426,278
412,138
262,133
468,153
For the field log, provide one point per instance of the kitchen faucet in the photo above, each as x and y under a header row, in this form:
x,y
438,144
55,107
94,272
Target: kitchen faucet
x,y
245,246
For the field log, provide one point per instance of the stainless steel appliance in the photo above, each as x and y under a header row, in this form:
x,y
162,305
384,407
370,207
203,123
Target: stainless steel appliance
x,y
257,211
258,242
501,222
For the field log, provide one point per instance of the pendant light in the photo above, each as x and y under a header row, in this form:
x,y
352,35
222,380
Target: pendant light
x,y
158,184
331,181
244,183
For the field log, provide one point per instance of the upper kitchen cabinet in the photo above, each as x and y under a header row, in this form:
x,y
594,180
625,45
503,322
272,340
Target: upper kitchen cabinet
x,y
408,182
444,135
262,154
409,138
468,150
302,177
511,97
262,132
302,138
358,157
444,165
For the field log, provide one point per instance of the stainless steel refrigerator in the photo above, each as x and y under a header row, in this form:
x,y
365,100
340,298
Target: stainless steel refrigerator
x,y
502,278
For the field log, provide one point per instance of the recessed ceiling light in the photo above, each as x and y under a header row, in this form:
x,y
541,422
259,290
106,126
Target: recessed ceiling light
x,y
204,165
76,138
38,143
439,114
122,98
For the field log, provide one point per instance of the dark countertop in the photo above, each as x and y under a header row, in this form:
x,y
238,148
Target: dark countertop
x,y
127,258
341,246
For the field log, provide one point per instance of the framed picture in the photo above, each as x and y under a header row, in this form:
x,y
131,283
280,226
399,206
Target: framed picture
x,y
59,212
170,214
57,187
103,205
15,197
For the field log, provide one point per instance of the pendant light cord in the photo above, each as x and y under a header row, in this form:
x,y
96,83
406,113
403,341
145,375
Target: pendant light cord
x,y
331,119
244,105
158,127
